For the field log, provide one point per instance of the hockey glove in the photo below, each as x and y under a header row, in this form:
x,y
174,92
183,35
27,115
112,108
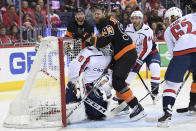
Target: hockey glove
x,y
85,36
137,65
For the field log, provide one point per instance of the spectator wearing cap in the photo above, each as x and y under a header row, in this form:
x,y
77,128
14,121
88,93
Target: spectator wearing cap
x,y
26,9
10,17
115,4
4,39
14,34
80,28
39,17
131,3
55,20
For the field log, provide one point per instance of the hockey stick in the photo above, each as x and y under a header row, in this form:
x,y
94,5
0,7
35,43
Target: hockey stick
x,y
120,107
87,100
182,110
155,119
95,105
93,88
152,96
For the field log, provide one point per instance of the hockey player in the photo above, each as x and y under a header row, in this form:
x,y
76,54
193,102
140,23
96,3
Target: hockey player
x,y
80,28
180,37
92,62
147,52
125,55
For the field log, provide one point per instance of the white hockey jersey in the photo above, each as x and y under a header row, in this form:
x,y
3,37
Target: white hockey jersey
x,y
143,39
91,61
180,36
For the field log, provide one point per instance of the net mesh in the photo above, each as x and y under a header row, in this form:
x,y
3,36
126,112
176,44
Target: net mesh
x,y
39,103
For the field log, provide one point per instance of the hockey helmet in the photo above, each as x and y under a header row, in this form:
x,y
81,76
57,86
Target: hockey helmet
x,y
173,11
137,13
79,9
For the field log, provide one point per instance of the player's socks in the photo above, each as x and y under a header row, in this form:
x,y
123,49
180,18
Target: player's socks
x,y
155,91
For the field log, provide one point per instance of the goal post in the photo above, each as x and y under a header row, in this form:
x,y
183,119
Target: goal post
x,y
42,100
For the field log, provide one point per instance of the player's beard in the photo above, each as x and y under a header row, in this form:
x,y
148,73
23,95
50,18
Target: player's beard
x,y
80,19
98,20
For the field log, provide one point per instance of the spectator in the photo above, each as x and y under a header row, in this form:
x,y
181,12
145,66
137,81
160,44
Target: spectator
x,y
14,35
26,9
89,13
116,13
33,5
125,20
161,11
39,17
28,21
54,19
10,17
154,18
65,17
150,4
4,39
131,3
2,11
115,4
80,28
71,5
43,10
129,9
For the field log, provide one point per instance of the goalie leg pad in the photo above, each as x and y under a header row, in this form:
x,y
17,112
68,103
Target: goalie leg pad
x,y
91,112
70,95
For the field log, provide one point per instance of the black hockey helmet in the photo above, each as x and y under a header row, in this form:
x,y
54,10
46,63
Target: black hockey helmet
x,y
79,9
100,5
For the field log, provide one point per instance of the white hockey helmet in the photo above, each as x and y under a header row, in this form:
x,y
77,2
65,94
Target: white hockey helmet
x,y
173,11
137,13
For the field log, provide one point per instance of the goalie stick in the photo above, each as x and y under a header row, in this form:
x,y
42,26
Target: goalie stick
x,y
85,99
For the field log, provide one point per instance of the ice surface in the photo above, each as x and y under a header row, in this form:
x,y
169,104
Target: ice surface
x,y
180,122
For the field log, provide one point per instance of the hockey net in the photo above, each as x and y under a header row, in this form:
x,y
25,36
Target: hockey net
x,y
41,102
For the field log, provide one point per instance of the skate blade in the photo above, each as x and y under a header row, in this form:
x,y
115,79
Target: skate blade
x,y
122,113
156,99
138,117
191,113
164,124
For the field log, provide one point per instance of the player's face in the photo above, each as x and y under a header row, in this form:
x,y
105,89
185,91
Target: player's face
x,y
98,15
167,22
80,16
136,21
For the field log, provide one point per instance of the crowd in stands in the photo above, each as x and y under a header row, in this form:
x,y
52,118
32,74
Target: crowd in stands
x,y
35,15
